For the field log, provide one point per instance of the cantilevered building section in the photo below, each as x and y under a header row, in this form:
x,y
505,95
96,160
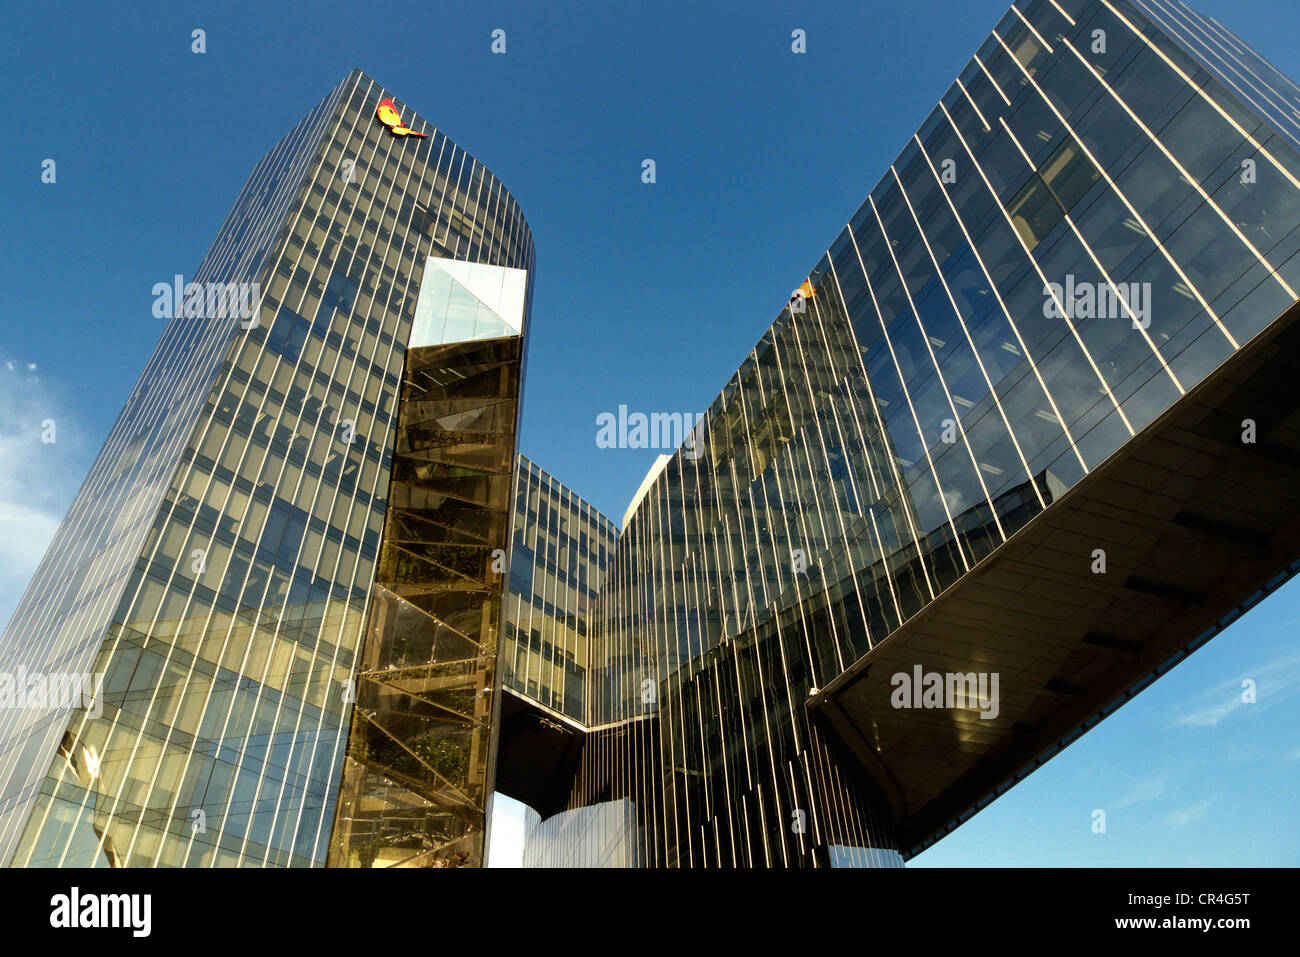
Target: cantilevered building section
x,y
1033,416
1158,161
291,530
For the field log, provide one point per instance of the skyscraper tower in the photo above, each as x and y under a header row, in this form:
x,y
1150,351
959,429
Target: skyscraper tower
x,y
292,521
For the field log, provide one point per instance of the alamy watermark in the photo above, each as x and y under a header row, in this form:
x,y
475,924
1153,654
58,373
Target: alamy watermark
x,y
1098,300
23,689
951,690
207,300
75,909
654,430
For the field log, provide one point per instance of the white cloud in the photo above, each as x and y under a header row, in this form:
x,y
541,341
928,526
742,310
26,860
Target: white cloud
x,y
1188,815
1274,681
37,480
1210,715
1147,790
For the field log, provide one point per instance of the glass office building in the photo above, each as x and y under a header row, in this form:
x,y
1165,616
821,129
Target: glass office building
x,y
1101,214
335,610
558,553
559,550
292,522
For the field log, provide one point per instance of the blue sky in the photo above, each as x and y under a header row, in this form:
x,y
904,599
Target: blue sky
x,y
646,295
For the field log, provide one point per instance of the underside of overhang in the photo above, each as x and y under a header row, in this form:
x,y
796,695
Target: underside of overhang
x,y
1196,524
537,755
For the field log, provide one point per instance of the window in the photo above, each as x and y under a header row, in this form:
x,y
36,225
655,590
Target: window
x,y
340,294
288,333
1057,186
285,527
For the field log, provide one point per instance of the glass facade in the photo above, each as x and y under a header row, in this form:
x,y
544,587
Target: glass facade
x,y
222,567
557,556
319,581
1102,208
